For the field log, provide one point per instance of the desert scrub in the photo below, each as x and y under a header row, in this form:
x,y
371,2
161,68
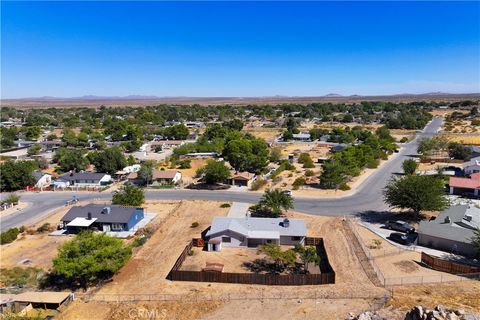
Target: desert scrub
x,y
225,205
194,224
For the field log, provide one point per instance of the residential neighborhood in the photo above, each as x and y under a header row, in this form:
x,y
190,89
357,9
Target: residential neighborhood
x,y
277,160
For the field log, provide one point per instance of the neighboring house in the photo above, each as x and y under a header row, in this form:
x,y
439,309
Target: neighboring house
x,y
475,150
251,232
241,179
472,166
303,136
51,145
165,144
462,186
101,217
201,155
452,230
42,179
158,177
18,153
84,179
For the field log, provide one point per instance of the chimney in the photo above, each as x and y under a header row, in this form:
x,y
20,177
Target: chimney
x,y
89,216
447,219
106,210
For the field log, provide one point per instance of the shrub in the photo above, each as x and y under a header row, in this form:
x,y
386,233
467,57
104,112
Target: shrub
x,y
309,173
44,228
9,236
309,164
194,224
225,205
185,164
290,175
257,184
191,252
298,183
139,241
373,164
12,198
344,187
403,140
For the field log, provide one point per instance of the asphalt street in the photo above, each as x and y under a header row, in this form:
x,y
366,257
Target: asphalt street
x,y
368,196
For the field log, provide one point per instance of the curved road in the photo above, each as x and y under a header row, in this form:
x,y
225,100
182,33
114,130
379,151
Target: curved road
x,y
367,197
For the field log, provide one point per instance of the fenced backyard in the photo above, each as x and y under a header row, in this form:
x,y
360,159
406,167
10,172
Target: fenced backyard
x,y
326,276
432,262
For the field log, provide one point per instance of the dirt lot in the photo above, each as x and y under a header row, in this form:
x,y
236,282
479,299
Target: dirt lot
x,y
158,255
231,258
269,134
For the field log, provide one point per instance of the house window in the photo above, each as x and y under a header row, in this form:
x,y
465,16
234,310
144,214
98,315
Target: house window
x,y
117,226
295,238
226,239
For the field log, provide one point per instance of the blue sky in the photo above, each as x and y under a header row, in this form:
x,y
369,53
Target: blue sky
x,y
68,49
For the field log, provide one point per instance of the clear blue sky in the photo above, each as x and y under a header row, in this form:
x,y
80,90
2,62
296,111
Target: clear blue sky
x,y
69,49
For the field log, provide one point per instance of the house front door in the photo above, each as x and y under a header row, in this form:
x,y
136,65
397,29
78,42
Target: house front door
x,y
106,228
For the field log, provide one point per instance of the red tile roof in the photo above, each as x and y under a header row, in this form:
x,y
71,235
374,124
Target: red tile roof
x,y
468,183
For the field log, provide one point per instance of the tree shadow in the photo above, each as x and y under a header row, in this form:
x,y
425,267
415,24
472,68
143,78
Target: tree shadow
x,y
384,216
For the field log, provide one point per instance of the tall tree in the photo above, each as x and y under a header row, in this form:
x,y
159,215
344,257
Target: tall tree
x,y
16,175
146,172
215,172
416,193
109,160
409,166
276,200
89,258
129,195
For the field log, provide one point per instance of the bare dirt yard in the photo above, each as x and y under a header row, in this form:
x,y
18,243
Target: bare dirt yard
x,y
160,252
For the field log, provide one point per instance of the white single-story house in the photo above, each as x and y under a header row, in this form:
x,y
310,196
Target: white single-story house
x,y
452,230
302,136
84,179
42,179
251,232
158,177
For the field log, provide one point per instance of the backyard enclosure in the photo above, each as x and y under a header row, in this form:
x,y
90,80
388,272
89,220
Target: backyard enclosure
x,y
326,276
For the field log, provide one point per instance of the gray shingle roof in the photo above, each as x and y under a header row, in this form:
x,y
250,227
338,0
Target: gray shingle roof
x,y
82,176
118,214
457,227
244,226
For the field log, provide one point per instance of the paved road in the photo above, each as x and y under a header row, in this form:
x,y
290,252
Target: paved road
x,y
367,197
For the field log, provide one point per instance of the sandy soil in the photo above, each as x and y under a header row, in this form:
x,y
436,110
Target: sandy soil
x,y
269,134
394,262
20,206
158,255
40,248
231,258
461,295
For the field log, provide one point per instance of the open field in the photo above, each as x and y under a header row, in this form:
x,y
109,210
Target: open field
x,y
269,134
464,138
96,102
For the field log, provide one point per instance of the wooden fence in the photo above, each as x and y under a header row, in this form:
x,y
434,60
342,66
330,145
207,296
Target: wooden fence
x,y
448,266
326,276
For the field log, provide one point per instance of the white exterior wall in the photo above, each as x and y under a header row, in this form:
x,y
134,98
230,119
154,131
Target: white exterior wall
x,y
178,177
287,240
237,240
44,181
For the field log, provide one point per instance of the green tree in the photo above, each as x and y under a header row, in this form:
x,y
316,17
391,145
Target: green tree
x,y
109,160
89,258
409,166
146,171
215,172
458,151
282,259
276,200
34,149
7,137
69,138
275,154
16,175
247,154
235,124
70,159
129,195
307,255
416,193
32,133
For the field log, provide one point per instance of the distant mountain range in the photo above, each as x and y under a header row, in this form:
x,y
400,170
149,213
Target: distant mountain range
x,y
142,97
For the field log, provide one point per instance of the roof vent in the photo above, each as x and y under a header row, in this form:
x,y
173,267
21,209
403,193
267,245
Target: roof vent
x,y
106,210
468,217
447,219
89,216
286,223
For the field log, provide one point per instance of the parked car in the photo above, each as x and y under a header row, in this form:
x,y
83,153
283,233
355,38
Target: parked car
x,y
288,192
399,225
401,238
